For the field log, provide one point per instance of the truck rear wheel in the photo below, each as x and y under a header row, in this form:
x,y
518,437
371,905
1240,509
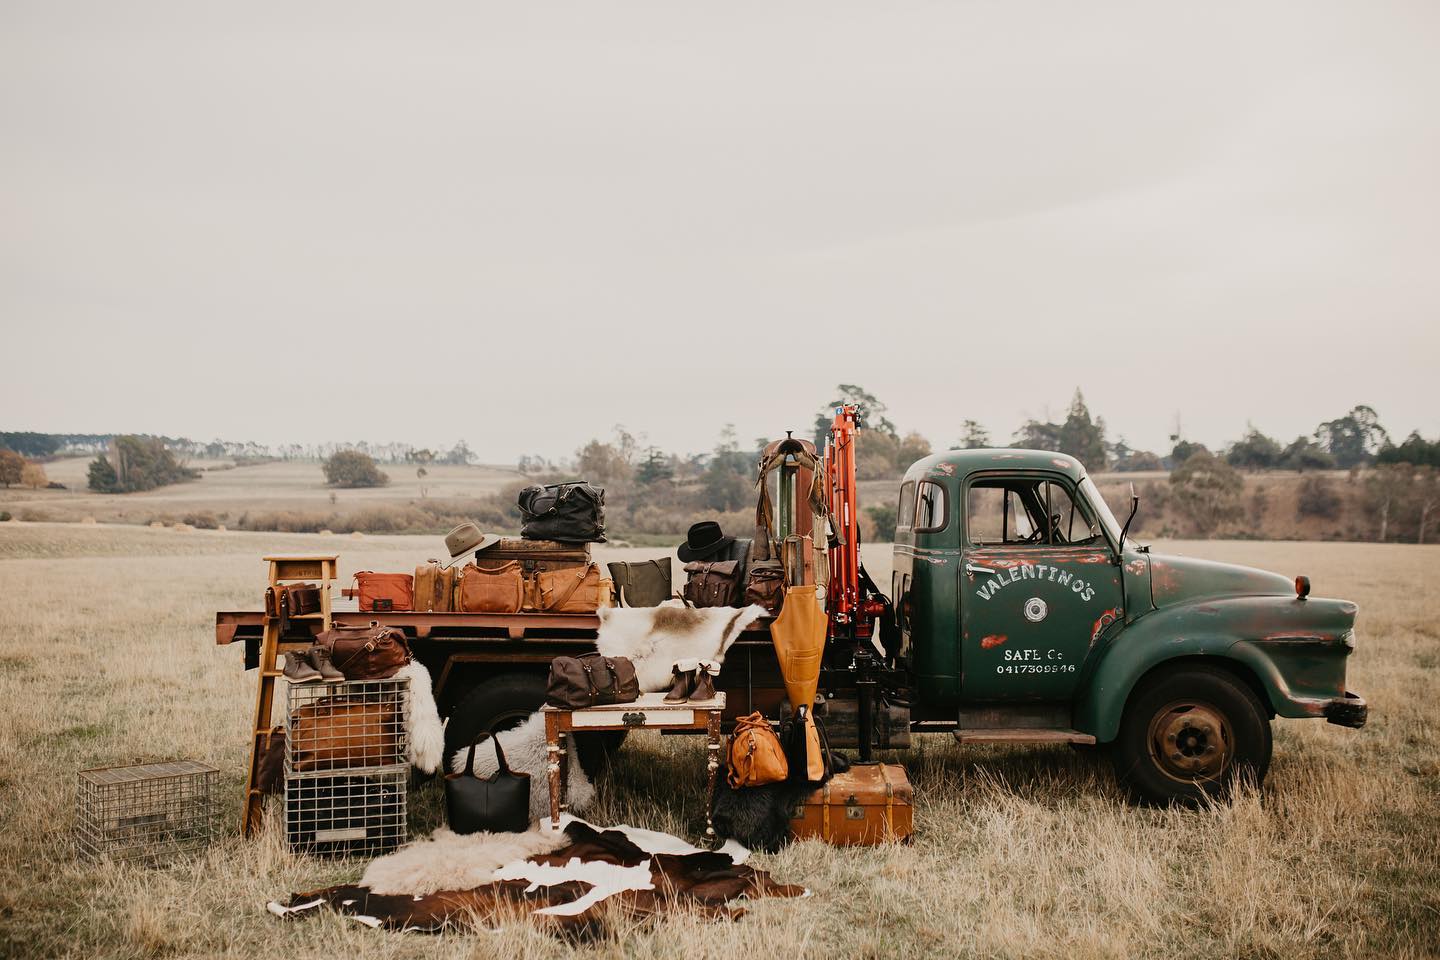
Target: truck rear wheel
x,y
503,702
1191,733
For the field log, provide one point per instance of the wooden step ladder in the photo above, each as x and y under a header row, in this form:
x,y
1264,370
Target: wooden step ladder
x,y
288,569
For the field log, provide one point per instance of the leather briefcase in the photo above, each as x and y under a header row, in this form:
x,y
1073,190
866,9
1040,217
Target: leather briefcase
x,y
869,804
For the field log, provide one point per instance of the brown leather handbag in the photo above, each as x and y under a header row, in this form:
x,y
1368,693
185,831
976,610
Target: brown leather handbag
x,y
337,733
755,755
714,583
381,592
568,590
766,586
591,679
493,588
366,653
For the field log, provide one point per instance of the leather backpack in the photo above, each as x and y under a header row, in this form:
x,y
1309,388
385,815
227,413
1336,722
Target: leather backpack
x,y
568,512
590,680
366,653
755,757
714,583
497,804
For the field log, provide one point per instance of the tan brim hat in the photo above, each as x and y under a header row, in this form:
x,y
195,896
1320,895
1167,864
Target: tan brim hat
x,y
466,538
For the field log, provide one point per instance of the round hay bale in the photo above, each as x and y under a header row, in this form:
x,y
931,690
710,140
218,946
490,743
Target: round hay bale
x,y
327,533
220,528
87,519
157,524
357,535
182,527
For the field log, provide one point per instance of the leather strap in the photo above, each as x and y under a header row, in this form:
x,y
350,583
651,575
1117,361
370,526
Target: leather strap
x,y
584,572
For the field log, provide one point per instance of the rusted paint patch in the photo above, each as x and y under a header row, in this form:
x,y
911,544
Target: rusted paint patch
x,y
944,469
1136,566
1106,618
992,641
1064,464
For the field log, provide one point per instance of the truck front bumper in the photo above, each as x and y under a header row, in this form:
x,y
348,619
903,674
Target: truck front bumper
x,y
1350,710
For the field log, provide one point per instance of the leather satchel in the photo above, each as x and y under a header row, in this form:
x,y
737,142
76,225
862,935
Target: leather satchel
x,y
498,804
766,586
589,680
568,589
714,583
366,653
493,588
342,732
568,512
755,755
382,592
641,583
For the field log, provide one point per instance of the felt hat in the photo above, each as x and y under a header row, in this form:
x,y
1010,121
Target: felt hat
x,y
702,540
467,537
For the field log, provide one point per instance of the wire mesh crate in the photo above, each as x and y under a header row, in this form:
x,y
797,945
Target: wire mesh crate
x,y
344,726
344,814
346,772
145,812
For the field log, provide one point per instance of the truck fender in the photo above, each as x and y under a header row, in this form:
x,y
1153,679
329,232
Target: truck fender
x,y
1296,668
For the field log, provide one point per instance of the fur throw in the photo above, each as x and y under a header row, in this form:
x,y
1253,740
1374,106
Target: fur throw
x,y
422,719
451,861
656,638
524,748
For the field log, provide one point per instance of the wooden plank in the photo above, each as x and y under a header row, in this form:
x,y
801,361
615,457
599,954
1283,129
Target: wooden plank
x,y
1022,735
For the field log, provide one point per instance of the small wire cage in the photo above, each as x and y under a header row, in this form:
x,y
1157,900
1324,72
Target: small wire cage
x,y
346,771
145,812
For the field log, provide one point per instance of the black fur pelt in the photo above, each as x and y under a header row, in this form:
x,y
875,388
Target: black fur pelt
x,y
759,817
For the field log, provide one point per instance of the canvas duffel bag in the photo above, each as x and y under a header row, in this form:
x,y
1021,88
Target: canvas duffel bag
x,y
568,512
590,679
713,583
382,592
493,588
366,653
641,583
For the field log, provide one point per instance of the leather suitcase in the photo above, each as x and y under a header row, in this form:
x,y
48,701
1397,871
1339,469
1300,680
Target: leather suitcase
x,y
868,804
434,588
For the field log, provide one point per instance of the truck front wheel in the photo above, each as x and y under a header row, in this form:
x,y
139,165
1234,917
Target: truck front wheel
x,y
1191,733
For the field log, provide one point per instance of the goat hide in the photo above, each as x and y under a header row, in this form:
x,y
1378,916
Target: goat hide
x,y
524,748
656,638
446,860
422,719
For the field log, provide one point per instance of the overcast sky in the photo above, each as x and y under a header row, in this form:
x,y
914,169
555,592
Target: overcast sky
x,y
522,223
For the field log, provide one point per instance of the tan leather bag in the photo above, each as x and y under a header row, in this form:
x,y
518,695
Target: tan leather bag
x,y
495,588
755,754
434,588
337,734
568,590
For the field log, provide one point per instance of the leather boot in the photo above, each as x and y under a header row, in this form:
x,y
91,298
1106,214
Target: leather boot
x,y
298,669
705,675
320,659
682,682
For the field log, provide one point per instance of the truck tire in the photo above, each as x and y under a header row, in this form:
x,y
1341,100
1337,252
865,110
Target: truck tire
x,y
503,702
1191,733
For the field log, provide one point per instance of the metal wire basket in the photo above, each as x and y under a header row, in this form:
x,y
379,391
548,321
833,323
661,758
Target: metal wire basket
x,y
346,769
145,812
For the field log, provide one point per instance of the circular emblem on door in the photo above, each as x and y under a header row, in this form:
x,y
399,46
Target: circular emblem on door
x,y
1035,609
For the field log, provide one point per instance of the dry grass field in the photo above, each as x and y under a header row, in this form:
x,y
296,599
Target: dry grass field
x,y
106,656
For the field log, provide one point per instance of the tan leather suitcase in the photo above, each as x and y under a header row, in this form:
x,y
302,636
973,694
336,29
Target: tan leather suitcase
x,y
868,804
434,588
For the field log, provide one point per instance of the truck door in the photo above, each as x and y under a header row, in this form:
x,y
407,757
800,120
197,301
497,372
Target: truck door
x,y
1038,587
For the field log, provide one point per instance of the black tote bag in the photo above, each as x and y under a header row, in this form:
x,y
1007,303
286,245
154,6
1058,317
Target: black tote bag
x,y
499,804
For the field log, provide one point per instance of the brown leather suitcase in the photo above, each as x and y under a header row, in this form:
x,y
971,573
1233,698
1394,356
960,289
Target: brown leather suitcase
x,y
434,588
868,804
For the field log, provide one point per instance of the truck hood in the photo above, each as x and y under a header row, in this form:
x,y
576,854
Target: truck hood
x,y
1180,579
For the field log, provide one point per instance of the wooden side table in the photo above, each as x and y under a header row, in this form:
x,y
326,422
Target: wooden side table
x,y
650,712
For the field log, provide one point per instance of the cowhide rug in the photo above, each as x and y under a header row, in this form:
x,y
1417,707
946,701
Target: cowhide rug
x,y
573,890
656,638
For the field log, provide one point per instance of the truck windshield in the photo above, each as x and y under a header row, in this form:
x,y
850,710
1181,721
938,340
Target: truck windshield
x,y
1097,502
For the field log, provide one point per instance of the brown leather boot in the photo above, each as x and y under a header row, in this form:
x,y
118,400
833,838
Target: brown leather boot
x,y
705,675
682,682
298,669
320,659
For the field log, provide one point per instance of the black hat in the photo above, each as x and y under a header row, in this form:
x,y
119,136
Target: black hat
x,y
704,539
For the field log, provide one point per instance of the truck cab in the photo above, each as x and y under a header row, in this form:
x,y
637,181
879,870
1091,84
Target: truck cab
x,y
1025,614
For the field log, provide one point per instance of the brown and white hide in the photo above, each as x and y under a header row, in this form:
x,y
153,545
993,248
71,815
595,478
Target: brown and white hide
x,y
656,638
558,890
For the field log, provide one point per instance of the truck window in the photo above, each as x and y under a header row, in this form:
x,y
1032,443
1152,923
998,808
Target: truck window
x,y
1012,511
930,512
905,516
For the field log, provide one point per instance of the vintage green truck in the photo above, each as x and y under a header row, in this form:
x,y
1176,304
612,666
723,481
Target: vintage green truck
x,y
1026,613
1022,613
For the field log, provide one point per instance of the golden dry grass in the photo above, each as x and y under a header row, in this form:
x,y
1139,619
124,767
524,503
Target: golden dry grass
x,y
106,656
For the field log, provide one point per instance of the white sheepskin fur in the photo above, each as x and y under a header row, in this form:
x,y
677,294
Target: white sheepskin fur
x,y
450,861
656,638
524,748
422,719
